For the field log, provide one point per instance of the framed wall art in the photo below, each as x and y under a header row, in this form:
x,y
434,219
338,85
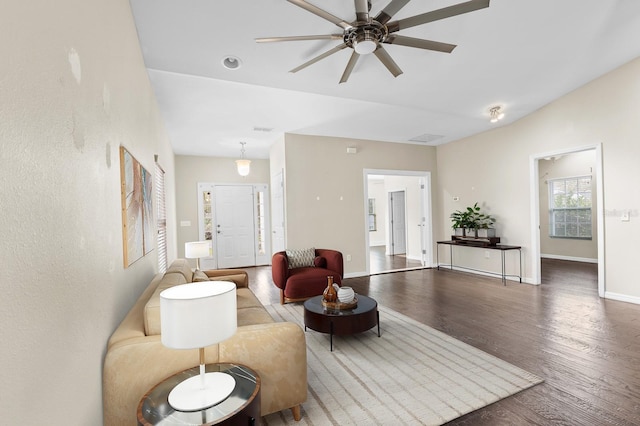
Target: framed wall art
x,y
137,212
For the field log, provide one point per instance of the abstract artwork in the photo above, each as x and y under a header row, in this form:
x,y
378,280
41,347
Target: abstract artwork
x,y
137,220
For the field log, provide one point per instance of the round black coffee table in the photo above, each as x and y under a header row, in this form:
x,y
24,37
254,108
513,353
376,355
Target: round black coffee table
x,y
341,321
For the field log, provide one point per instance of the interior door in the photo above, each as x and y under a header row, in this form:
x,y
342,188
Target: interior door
x,y
397,223
234,226
277,224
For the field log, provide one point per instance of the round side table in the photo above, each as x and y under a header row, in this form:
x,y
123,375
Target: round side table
x,y
242,407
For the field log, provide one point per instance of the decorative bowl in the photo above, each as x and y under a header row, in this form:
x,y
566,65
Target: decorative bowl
x,y
346,294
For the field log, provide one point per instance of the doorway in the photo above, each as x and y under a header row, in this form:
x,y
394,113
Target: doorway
x,y
540,225
398,218
235,219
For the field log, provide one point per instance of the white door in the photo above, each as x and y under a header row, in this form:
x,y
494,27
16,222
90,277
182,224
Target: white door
x,y
234,226
277,225
397,223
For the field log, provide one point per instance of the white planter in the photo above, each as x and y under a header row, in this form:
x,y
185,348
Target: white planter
x,y
459,232
486,232
470,232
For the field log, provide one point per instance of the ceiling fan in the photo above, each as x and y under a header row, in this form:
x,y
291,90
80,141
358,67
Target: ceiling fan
x,y
367,34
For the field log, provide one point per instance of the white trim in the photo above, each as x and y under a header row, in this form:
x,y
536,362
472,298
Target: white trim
x,y
622,297
427,206
447,267
534,188
571,258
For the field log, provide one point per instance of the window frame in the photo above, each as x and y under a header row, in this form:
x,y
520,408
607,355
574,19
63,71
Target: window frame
x,y
554,209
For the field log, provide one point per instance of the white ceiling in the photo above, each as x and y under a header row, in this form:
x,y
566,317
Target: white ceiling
x,y
521,54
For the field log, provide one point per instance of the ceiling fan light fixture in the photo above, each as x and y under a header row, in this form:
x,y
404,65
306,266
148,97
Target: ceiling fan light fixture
x,y
364,47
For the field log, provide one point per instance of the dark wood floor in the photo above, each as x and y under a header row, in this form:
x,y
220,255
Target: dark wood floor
x,y
587,349
380,262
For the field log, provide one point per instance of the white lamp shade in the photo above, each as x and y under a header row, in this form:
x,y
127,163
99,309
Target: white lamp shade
x,y
198,314
197,249
244,167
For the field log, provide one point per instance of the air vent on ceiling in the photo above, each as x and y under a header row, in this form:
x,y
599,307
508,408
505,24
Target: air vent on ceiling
x,y
426,138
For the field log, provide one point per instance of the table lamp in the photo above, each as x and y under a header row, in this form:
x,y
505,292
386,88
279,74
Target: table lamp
x,y
196,250
194,316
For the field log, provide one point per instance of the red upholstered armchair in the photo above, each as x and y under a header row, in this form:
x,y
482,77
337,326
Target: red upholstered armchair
x,y
300,283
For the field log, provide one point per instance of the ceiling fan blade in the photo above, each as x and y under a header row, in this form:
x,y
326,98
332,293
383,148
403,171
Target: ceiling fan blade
x,y
321,13
300,38
420,43
390,10
320,57
387,61
362,10
435,15
352,63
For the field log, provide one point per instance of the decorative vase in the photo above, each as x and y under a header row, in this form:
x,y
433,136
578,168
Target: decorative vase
x,y
330,294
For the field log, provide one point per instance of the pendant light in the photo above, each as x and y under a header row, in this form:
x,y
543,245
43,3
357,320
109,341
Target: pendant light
x,y
244,165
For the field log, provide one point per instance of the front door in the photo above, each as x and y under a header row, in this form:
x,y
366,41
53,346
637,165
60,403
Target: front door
x,y
234,226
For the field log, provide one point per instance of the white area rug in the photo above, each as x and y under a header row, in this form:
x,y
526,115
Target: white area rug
x,y
412,374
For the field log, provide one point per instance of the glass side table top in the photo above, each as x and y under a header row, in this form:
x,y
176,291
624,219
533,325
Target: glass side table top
x,y
154,408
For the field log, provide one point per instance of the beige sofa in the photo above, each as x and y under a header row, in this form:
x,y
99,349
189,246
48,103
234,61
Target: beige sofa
x,y
136,360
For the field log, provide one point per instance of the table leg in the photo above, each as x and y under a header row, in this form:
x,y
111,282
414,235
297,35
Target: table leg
x,y
504,278
331,335
451,256
378,319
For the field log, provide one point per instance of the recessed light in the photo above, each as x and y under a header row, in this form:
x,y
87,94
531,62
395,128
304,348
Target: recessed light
x,y
231,62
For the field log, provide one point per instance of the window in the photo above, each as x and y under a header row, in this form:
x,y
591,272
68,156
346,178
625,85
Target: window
x,y
162,220
570,207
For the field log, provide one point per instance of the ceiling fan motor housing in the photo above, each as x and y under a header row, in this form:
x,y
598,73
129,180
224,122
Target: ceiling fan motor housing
x,y
364,38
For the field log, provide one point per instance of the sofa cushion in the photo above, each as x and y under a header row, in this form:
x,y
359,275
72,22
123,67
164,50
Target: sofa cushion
x,y
320,262
181,266
301,258
253,316
152,307
199,276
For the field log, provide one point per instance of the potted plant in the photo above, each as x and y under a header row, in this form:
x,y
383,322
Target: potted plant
x,y
471,222
460,221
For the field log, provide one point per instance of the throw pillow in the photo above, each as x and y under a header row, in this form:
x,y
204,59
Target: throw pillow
x,y
320,262
301,258
199,276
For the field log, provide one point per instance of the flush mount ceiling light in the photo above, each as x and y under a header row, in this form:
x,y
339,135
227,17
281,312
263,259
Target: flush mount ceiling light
x,y
231,62
243,165
496,113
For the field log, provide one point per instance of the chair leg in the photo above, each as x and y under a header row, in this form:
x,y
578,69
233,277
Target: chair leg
x,y
297,415
281,296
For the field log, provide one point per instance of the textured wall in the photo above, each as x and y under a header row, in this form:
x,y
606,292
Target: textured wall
x,y
73,88
493,168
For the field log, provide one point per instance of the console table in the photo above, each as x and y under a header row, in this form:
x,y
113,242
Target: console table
x,y
502,248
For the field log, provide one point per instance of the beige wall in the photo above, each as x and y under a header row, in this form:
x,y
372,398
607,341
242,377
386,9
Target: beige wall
x,y
325,190
192,170
493,168
73,88
565,166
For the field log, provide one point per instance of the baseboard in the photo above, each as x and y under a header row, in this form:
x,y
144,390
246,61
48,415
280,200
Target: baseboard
x,y
355,274
622,297
486,274
571,258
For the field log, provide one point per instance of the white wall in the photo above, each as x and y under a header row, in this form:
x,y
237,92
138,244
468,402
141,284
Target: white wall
x,y
493,168
378,193
565,166
73,88
325,203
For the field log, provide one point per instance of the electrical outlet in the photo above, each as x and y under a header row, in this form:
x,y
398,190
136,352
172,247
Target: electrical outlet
x,y
487,254
348,258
